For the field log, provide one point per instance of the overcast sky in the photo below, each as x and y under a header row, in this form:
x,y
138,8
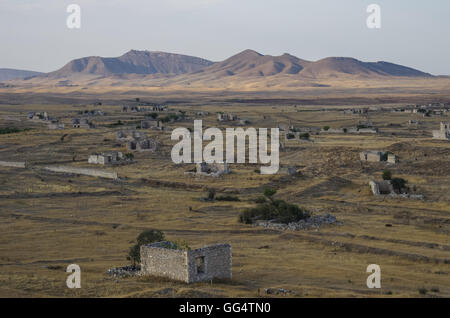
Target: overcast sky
x,y
34,35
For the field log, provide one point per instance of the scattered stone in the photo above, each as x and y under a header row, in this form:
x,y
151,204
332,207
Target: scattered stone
x,y
313,222
126,271
278,291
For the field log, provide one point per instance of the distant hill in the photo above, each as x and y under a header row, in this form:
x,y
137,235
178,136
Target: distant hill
x,y
251,63
247,70
9,74
133,62
335,66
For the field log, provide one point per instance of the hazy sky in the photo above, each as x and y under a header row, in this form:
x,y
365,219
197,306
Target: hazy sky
x,y
415,33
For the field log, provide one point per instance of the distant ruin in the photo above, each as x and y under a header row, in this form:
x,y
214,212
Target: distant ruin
x,y
82,123
108,158
137,141
226,117
378,156
210,169
200,265
443,133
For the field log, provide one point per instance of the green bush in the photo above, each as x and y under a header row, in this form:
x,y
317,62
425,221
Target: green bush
x,y
326,128
398,183
277,210
304,136
269,192
387,175
146,237
12,130
227,198
260,200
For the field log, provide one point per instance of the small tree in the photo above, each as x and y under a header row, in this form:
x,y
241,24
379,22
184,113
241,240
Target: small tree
x,y
398,184
269,192
387,175
129,156
146,237
326,128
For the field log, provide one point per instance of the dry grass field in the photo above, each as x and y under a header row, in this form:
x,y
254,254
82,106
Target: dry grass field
x,y
50,220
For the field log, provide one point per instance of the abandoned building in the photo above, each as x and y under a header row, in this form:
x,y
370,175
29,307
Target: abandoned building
x,y
153,124
213,169
55,125
128,135
81,123
143,144
159,108
381,187
226,117
40,117
290,171
163,259
210,169
443,133
356,111
113,157
378,156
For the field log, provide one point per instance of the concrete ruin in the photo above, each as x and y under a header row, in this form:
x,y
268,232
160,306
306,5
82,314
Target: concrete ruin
x,y
443,133
152,124
290,171
143,144
226,117
128,135
109,158
378,156
163,259
211,169
385,188
381,187
82,123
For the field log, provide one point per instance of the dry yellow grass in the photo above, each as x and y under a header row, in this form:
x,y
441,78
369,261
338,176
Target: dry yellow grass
x,y
51,220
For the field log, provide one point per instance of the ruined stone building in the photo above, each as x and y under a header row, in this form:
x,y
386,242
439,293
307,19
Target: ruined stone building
x,y
381,187
113,157
81,123
443,133
154,124
371,156
131,134
212,169
226,117
143,144
163,259
378,156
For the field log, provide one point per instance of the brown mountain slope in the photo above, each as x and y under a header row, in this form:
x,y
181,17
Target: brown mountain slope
x,y
251,63
9,74
133,62
336,66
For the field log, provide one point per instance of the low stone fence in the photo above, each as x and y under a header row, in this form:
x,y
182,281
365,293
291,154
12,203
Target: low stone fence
x,y
13,164
83,171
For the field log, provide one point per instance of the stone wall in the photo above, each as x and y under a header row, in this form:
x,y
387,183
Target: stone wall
x,y
164,262
203,264
217,263
13,164
83,171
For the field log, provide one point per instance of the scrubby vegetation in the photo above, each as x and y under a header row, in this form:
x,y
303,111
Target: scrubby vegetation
x,y
12,130
227,198
152,236
146,237
276,210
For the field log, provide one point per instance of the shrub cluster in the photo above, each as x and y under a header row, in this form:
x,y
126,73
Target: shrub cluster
x,y
276,210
